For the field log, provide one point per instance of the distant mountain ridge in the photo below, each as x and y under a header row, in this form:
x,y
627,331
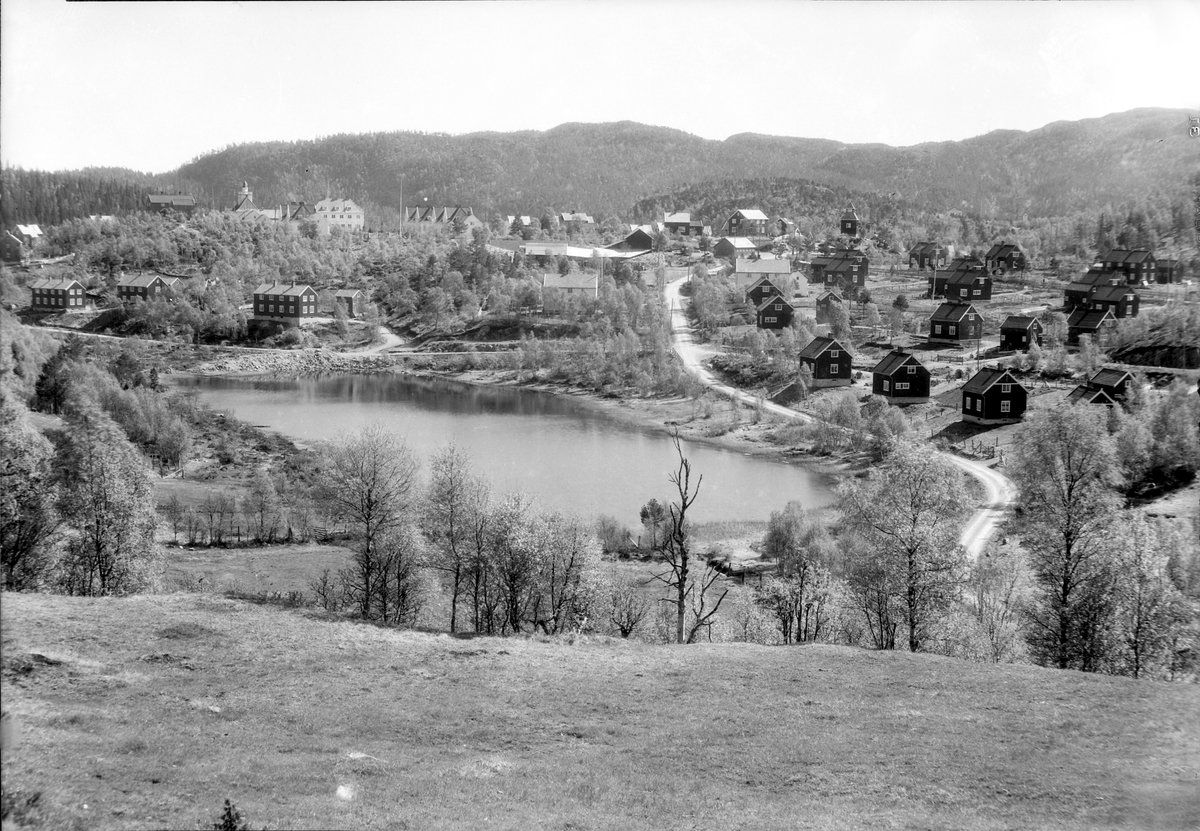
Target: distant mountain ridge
x,y
1142,156
604,168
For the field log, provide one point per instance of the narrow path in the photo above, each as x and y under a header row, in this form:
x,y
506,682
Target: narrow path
x,y
982,524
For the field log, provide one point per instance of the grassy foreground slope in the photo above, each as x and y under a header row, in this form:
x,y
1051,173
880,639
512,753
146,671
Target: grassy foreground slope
x,y
164,706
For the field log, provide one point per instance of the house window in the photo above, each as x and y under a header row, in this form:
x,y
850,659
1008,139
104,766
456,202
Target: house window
x,y
1005,406
937,328
903,385
833,369
833,353
977,292
887,386
951,330
1006,388
912,370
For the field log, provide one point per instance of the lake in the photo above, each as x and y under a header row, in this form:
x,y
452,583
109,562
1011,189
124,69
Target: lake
x,y
570,456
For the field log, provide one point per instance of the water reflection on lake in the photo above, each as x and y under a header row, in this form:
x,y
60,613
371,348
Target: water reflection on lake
x,y
568,455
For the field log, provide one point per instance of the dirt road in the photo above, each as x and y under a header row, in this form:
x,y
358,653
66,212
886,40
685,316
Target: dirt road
x,y
982,524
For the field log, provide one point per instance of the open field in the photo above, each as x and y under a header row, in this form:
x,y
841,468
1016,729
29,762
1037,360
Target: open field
x,y
163,706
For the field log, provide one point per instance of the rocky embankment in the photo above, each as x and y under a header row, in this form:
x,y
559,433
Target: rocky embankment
x,y
301,362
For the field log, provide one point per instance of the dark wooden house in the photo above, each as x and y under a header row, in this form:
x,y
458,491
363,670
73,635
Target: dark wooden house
x,y
351,300
1115,382
287,302
730,248
1004,257
1137,265
1122,301
993,396
163,202
774,313
1169,271
968,285
829,363
826,302
747,222
849,223
678,223
12,250
638,240
1019,332
64,294
901,378
957,323
1096,323
145,287
761,289
1078,294
927,255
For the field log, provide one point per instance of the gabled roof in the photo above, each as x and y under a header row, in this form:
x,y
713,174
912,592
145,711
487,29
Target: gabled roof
x,y
738,242
894,360
778,298
337,205
1022,322
142,281
1111,294
284,289
829,294
577,216
748,266
1001,250
1085,319
55,283
986,378
953,312
819,345
764,280
574,280
29,230
1123,256
348,293
750,213
678,219
1095,277
850,214
173,200
923,248
1110,378
1083,394
967,276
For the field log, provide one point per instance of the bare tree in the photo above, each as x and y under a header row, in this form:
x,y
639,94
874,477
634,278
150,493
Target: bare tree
x,y
685,592
628,604
368,481
453,498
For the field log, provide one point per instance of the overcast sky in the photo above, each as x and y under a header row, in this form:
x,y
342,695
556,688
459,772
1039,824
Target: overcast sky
x,y
150,86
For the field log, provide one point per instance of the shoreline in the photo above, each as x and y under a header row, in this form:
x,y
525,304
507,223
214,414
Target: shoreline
x,y
661,415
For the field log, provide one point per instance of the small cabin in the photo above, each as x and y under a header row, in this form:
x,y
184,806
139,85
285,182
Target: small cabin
x,y
993,396
730,248
927,255
827,301
747,222
1019,332
1169,271
955,323
829,363
351,300
969,285
12,250
901,378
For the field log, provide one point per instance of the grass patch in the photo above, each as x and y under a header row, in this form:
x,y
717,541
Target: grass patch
x,y
305,723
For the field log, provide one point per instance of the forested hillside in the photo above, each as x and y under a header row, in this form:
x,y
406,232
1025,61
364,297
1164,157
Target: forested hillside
x,y
1137,161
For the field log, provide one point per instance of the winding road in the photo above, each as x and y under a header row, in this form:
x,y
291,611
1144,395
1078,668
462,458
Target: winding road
x,y
982,524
